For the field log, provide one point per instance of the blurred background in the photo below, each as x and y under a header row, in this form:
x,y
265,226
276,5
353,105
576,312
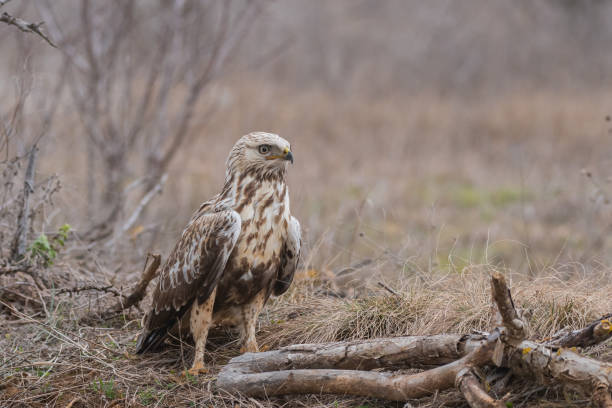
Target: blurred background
x,y
427,135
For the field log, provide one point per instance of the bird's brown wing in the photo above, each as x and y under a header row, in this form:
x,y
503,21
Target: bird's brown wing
x,y
290,256
191,272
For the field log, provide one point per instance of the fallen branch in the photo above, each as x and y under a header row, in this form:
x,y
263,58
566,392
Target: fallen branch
x,y
339,368
469,384
563,366
597,332
394,352
237,377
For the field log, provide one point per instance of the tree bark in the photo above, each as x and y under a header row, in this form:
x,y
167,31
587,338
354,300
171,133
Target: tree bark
x,y
469,384
597,332
23,221
243,374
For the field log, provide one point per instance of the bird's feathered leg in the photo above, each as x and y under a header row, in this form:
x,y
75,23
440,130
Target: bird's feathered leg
x,y
250,312
199,323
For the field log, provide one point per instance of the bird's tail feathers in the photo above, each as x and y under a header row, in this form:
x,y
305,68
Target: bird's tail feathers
x,y
150,340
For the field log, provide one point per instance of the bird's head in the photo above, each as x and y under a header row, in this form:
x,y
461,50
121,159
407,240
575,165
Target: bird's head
x,y
260,152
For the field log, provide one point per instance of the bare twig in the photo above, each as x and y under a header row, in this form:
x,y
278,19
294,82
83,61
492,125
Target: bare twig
x,y
149,272
140,207
105,289
25,26
10,269
388,289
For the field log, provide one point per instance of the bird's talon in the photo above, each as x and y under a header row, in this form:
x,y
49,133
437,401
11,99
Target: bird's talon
x,y
249,349
197,369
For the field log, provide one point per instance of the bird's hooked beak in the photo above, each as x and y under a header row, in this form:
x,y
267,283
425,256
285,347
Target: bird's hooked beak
x,y
288,155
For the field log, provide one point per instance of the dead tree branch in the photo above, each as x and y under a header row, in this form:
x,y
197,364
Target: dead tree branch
x,y
563,366
394,352
516,330
339,368
469,384
24,26
597,332
247,378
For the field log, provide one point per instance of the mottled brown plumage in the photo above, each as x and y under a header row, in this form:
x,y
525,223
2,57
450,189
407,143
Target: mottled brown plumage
x,y
238,249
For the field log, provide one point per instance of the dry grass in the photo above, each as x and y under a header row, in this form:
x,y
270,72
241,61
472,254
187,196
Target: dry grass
x,y
65,359
439,303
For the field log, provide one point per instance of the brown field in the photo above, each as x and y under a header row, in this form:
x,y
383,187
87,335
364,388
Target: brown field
x,y
436,185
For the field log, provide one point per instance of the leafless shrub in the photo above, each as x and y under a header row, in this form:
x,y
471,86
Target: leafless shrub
x,y
137,103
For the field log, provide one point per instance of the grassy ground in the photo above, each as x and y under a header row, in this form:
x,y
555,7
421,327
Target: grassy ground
x,y
54,359
432,192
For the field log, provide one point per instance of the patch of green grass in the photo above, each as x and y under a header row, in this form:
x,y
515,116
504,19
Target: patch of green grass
x,y
470,196
506,196
42,373
147,397
467,196
191,378
106,387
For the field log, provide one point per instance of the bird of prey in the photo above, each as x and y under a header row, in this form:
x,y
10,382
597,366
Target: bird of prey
x,y
239,248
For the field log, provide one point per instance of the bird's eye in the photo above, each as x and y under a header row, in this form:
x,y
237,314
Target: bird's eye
x,y
264,149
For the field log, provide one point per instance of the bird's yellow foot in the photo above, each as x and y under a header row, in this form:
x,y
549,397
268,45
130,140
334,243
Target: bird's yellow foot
x,y
253,349
249,348
196,369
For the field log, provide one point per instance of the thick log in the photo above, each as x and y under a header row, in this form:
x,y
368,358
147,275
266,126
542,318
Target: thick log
x,y
394,352
338,368
263,374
